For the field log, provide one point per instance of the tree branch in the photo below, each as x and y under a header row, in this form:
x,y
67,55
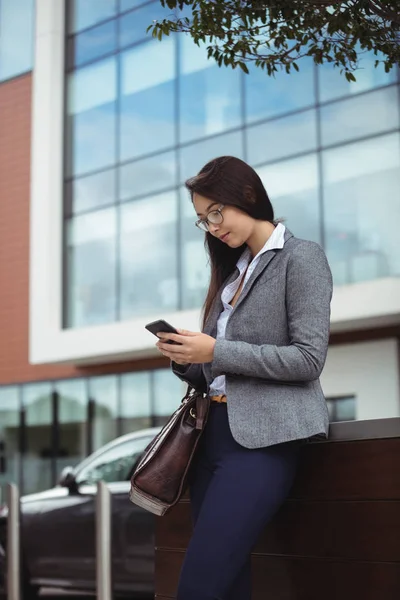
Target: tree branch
x,y
383,12
276,33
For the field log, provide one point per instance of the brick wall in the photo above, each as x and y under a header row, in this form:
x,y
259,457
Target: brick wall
x,y
15,126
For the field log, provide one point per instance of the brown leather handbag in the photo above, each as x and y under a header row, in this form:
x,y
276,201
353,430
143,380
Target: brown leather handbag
x,y
160,477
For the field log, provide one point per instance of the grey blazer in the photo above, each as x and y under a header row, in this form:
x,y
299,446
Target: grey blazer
x,y
275,348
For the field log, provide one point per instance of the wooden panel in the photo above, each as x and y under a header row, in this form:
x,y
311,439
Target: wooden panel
x,y
303,579
359,470
348,530
344,530
300,579
168,564
335,537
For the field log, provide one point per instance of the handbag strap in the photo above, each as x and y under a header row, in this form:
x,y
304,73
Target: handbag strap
x,y
202,403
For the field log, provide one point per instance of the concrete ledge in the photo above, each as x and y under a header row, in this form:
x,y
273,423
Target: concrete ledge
x,y
365,430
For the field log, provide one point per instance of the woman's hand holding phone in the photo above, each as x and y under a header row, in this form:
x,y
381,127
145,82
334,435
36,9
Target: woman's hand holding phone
x,y
190,347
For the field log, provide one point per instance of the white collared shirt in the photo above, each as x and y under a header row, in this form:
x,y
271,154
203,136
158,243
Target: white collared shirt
x,y
274,242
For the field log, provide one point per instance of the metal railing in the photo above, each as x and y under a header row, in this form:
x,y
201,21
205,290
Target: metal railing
x,y
103,543
13,553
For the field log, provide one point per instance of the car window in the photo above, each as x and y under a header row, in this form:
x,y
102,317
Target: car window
x,y
115,464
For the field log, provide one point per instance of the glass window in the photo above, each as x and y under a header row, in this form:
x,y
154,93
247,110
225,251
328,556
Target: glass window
x,y
360,116
331,84
72,416
103,391
16,37
86,13
341,409
267,96
147,105
9,434
195,156
91,268
148,175
362,209
93,191
210,97
149,277
168,393
133,26
115,464
135,401
91,118
128,4
282,137
37,461
292,186
195,267
92,44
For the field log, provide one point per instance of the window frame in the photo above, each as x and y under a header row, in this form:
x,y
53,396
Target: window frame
x,y
333,402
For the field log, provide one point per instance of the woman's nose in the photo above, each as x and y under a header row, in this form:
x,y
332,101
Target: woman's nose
x,y
213,229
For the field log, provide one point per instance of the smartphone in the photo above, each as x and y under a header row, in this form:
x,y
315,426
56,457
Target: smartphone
x,y
161,326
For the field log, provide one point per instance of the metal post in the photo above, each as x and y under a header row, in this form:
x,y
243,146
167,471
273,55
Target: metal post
x,y
103,542
13,544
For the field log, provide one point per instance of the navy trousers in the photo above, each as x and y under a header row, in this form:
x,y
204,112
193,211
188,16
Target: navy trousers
x,y
234,492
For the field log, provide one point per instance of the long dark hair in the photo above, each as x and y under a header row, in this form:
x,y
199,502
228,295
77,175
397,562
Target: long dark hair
x,y
229,181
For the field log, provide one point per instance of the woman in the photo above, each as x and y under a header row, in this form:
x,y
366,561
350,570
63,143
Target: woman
x,y
259,357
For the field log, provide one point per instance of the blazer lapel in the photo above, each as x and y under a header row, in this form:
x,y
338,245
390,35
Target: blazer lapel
x,y
263,263
217,305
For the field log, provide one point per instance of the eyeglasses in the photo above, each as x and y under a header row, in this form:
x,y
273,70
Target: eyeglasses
x,y
214,217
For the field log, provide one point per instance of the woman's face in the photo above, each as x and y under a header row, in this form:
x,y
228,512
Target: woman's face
x,y
236,227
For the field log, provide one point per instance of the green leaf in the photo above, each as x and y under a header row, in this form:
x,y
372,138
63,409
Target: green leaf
x,y
243,66
349,76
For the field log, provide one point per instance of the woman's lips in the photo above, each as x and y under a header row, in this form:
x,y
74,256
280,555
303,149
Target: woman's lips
x,y
224,237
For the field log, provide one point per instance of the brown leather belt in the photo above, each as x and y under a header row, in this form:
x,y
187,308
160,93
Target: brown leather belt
x,y
220,398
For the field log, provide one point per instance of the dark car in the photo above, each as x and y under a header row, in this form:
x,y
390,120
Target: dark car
x,y
58,527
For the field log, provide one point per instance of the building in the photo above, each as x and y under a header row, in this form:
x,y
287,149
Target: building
x,y
99,127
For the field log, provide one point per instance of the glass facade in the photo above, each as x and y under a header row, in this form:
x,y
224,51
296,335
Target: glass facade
x,y
16,37
46,426
142,116
341,409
